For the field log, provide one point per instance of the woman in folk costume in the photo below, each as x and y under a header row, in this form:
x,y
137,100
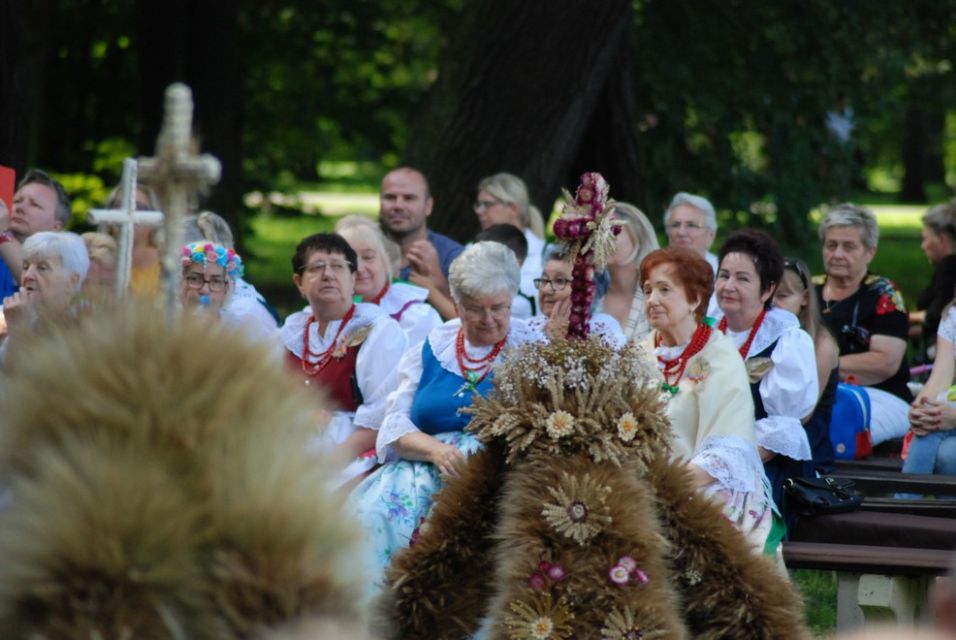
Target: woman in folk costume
x,y
422,441
404,302
574,520
347,350
705,383
779,355
554,289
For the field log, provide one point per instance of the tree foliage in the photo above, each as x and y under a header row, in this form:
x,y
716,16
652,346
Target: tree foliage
x,y
728,99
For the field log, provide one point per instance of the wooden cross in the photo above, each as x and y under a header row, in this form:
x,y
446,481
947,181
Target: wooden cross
x,y
126,217
178,175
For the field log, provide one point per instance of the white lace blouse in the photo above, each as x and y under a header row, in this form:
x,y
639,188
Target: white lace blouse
x,y
397,421
376,367
418,317
790,389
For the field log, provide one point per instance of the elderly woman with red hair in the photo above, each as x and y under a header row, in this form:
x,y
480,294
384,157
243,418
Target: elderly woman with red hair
x,y
707,391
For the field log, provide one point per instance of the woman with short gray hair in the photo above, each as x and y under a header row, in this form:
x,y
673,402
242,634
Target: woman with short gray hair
x,y
866,315
55,264
422,439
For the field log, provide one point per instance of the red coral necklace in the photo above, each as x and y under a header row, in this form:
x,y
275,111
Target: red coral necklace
x,y
474,374
381,294
745,347
312,366
676,366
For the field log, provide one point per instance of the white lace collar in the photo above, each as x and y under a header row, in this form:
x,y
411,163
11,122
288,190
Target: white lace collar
x,y
400,294
442,341
776,323
292,331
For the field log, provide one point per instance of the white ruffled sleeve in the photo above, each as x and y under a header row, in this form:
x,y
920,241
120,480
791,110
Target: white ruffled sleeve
x,y
947,328
418,320
376,370
731,461
398,407
789,393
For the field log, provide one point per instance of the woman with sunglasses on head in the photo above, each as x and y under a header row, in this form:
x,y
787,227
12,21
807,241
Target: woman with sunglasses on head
x,y
345,350
796,295
554,289
624,300
778,354
503,199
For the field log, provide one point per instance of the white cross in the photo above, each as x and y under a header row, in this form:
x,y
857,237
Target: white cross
x,y
178,175
126,217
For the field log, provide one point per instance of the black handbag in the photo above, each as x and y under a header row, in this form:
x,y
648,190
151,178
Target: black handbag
x,y
820,496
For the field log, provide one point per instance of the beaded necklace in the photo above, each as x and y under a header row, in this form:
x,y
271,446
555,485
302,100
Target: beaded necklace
x,y
312,367
381,294
474,374
676,366
745,347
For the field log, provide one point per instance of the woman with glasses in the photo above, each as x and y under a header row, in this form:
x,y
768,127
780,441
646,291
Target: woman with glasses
x,y
554,289
347,351
503,199
403,302
867,316
422,439
796,295
209,274
779,355
624,300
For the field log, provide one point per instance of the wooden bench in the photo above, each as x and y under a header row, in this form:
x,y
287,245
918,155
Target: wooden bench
x,y
885,562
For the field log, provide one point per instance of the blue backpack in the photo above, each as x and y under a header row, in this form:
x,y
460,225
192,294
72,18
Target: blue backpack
x,y
850,423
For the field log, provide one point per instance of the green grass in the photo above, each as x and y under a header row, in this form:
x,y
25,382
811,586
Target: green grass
x,y
819,590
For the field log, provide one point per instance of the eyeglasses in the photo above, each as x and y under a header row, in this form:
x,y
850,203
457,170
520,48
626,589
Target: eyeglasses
x,y
790,263
338,267
197,280
690,226
485,204
474,312
556,284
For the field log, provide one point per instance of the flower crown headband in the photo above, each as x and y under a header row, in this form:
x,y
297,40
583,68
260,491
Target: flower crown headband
x,y
208,253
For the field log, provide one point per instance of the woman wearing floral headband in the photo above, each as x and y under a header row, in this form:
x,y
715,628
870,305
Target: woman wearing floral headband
x,y
209,274
708,396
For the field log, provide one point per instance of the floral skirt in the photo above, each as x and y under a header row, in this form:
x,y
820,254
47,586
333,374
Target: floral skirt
x,y
752,512
393,502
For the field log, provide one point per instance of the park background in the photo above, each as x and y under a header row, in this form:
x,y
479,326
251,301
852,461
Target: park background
x,y
308,103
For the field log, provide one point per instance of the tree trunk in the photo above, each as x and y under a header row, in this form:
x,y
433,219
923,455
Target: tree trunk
x,y
24,41
197,43
518,87
13,120
914,155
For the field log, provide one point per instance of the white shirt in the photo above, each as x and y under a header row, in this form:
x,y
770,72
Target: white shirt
x,y
376,366
601,324
790,389
245,309
397,421
418,318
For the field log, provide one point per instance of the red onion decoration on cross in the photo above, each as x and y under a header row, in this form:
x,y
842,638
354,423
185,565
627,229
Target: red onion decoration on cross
x,y
587,229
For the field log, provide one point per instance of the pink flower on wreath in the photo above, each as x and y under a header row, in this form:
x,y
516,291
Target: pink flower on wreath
x,y
628,563
537,581
556,572
619,575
